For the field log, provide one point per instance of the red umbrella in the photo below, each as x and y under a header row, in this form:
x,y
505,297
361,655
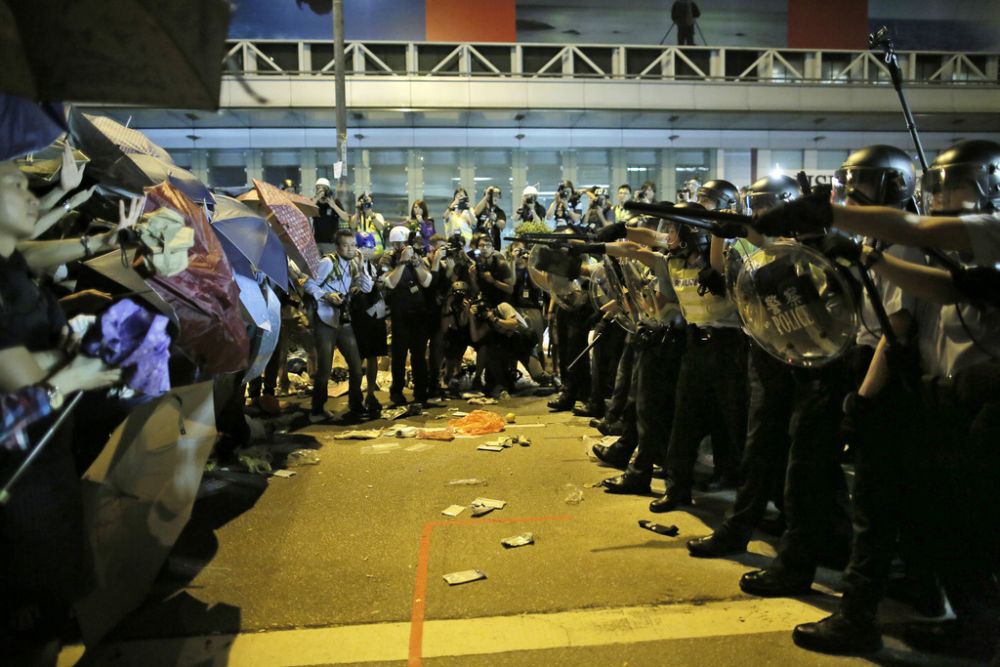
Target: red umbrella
x,y
303,203
204,296
292,226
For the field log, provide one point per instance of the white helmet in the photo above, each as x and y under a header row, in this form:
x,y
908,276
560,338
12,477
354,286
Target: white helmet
x,y
531,190
323,181
399,234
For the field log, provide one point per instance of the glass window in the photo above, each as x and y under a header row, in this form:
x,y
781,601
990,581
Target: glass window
x,y
690,165
388,183
738,166
276,175
641,166
593,168
830,160
788,162
493,168
441,178
545,173
183,159
227,169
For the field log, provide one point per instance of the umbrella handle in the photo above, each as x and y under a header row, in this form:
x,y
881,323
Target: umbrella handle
x,y
5,491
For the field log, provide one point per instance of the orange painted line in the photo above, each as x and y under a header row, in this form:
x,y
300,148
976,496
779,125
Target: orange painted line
x,y
423,557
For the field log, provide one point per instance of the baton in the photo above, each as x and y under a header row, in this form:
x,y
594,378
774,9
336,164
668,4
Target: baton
x,y
5,491
660,210
585,351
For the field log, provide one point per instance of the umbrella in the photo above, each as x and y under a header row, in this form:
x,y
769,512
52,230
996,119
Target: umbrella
x,y
303,203
249,242
292,226
27,126
106,141
137,497
114,274
134,339
137,171
146,52
204,295
265,340
252,300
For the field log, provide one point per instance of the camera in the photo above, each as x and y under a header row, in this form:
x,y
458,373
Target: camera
x,y
481,311
365,202
462,203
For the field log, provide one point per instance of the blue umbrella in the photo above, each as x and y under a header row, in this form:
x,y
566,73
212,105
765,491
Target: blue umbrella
x,y
27,126
249,242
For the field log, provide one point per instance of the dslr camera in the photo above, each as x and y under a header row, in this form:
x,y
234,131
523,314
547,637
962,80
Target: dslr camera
x,y
365,202
462,203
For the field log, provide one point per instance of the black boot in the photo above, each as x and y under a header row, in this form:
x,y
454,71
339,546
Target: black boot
x,y
674,498
773,583
626,484
716,545
840,634
562,403
611,455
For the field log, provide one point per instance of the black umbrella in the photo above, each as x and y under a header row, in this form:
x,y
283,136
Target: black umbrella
x,y
106,141
148,52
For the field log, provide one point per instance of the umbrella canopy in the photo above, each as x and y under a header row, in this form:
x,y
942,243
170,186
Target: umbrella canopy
x,y
265,339
250,243
115,275
292,226
137,497
204,295
105,141
147,52
252,300
27,126
137,171
303,203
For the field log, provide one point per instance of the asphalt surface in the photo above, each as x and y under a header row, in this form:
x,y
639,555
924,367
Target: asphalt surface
x,y
352,551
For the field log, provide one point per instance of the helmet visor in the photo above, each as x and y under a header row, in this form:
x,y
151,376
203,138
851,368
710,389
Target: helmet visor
x,y
858,185
756,203
954,189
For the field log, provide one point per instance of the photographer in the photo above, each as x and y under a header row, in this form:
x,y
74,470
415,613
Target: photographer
x,y
490,275
455,328
561,210
458,219
337,280
498,333
490,218
368,316
422,225
332,217
530,210
598,214
407,282
619,212
529,301
437,294
366,220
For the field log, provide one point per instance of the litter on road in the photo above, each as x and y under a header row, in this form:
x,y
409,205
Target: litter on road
x,y
521,540
464,577
453,510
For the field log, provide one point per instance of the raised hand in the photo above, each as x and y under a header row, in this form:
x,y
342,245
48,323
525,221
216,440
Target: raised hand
x,y
70,175
135,208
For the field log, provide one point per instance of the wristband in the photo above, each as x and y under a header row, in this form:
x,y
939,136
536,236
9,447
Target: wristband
x,y
87,254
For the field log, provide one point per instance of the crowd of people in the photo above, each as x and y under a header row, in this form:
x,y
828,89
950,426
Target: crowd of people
x,y
913,407
676,352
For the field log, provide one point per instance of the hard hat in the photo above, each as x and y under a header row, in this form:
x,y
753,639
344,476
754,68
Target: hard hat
x,y
399,234
323,181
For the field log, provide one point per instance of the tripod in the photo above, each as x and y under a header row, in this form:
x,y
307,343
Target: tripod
x,y
674,25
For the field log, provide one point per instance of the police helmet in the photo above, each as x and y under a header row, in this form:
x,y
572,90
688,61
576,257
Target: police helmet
x,y
723,193
769,192
963,179
875,175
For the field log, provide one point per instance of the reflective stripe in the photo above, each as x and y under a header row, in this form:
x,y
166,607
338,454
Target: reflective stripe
x,y
698,309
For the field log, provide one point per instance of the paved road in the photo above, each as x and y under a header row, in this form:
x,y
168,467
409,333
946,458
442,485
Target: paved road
x,y
343,564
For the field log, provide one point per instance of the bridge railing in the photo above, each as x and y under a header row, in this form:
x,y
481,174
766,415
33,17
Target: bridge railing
x,y
605,61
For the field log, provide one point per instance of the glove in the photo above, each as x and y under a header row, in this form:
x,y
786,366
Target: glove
x,y
837,246
710,280
729,230
587,249
809,214
855,410
611,233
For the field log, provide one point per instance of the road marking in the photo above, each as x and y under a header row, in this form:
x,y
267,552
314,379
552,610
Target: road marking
x,y
355,644
420,586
